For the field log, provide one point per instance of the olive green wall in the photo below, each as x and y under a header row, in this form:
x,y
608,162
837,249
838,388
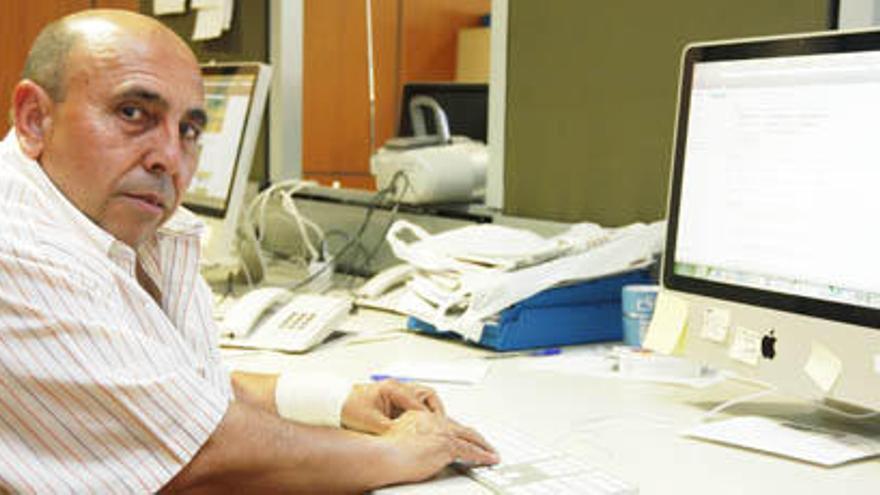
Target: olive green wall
x,y
591,95
247,40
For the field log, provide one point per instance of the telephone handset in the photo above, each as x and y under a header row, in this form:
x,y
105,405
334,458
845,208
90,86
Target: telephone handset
x,y
385,281
242,317
274,318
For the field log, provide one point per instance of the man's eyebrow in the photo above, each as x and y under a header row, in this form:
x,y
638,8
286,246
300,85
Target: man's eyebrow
x,y
145,95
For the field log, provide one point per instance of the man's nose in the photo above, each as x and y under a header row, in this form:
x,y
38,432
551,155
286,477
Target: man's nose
x,y
167,152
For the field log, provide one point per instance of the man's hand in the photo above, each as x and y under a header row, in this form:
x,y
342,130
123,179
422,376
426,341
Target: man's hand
x,y
372,408
423,443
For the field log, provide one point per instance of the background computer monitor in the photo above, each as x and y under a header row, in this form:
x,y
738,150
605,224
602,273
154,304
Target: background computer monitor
x,y
465,105
235,98
773,210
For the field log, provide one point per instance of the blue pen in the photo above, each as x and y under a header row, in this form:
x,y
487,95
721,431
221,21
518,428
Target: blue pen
x,y
381,377
547,351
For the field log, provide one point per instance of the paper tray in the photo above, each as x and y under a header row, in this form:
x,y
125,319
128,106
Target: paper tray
x,y
573,314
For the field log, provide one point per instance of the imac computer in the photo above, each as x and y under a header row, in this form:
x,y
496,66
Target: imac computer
x,y
774,212
235,98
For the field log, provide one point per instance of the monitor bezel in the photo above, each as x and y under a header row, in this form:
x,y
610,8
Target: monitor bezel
x,y
819,43
226,70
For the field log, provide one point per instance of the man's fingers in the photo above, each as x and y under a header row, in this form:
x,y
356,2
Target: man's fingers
x,y
470,453
409,396
471,436
429,397
376,422
404,397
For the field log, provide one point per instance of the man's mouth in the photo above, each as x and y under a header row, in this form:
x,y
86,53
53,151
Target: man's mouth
x,y
149,199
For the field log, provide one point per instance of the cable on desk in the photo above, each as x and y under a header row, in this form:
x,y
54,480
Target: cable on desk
x,y
356,238
254,227
732,402
391,218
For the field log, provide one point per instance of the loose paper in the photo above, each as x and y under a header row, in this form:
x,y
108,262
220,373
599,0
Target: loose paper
x,y
716,322
228,9
823,367
667,329
804,442
746,346
603,362
877,364
209,23
206,4
165,7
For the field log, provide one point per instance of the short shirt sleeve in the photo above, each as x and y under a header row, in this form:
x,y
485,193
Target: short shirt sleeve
x,y
99,393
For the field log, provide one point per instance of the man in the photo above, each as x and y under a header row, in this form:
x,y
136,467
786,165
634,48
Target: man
x,y
110,378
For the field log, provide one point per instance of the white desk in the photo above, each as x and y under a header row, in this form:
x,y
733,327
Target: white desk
x,y
628,428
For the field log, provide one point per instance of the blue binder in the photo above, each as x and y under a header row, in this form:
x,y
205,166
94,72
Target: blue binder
x,y
572,314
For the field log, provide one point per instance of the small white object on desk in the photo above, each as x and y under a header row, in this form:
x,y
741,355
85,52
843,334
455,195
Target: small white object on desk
x,y
607,361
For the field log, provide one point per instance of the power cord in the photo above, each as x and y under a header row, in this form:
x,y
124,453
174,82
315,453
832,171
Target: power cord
x,y
255,226
378,199
732,402
391,218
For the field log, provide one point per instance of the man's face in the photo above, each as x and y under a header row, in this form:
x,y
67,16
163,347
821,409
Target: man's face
x,y
123,142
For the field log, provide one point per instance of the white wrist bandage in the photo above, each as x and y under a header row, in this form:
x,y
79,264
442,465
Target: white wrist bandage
x,y
311,398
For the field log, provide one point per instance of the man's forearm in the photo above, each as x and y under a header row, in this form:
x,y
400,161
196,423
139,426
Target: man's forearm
x,y
256,389
255,450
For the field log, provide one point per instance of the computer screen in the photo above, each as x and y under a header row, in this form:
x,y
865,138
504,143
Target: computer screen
x,y
465,104
235,97
228,94
773,202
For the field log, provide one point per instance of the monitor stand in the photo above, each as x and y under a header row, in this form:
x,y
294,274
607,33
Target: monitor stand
x,y
824,433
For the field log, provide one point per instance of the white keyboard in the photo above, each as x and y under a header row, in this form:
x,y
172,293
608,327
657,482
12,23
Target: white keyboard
x,y
529,468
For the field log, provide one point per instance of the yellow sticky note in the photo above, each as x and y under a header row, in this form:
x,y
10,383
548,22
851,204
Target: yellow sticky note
x,y
823,367
667,329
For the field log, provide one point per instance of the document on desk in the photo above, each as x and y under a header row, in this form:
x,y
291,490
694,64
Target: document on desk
x,y
816,445
457,371
605,361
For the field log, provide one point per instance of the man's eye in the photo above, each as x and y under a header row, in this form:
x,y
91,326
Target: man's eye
x,y
190,132
130,112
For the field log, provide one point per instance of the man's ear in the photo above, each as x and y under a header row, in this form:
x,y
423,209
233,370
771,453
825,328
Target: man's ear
x,y
32,117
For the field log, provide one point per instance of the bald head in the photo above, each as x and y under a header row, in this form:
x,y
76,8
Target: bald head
x,y
89,31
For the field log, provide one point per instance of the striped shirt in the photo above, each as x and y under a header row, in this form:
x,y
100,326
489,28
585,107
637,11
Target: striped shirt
x,y
102,389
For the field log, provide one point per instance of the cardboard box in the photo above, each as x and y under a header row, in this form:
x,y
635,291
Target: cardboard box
x,y
472,61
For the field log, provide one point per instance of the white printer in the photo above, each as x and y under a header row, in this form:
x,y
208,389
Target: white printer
x,y
439,168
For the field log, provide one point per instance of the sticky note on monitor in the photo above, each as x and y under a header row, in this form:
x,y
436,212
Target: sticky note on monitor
x,y
667,329
746,346
823,367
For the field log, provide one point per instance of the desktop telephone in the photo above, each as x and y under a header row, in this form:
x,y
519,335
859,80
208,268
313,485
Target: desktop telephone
x,y
274,318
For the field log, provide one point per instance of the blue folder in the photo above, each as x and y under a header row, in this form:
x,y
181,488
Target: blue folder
x,y
572,314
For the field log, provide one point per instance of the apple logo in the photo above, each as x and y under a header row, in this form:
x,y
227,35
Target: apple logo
x,y
768,345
